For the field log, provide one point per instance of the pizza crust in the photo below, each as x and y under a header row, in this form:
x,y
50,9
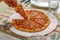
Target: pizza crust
x,y
29,25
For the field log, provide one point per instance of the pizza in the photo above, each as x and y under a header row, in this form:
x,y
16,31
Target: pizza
x,y
20,10
35,21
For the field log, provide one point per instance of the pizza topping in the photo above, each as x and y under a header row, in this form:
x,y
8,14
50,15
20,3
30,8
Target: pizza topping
x,y
35,21
20,10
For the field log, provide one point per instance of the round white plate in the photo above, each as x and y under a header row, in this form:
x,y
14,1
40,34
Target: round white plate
x,y
39,3
50,28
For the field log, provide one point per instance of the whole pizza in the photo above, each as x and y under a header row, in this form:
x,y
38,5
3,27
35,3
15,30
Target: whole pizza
x,y
35,21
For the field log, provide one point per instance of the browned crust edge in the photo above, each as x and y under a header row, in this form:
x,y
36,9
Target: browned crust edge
x,y
22,29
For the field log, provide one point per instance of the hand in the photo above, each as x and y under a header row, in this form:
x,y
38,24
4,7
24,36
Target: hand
x,y
11,3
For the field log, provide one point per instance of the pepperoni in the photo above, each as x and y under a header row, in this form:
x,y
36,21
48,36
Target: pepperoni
x,y
35,22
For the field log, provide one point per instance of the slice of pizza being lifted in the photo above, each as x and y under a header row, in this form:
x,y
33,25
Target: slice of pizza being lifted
x,y
36,21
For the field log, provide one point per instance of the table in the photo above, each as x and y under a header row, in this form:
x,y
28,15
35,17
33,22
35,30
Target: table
x,y
6,12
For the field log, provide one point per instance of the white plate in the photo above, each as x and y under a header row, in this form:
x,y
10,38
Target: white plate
x,y
50,28
40,3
